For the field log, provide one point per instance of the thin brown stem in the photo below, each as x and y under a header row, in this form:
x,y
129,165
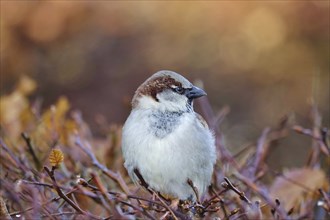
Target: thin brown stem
x,y
231,186
262,193
31,150
63,196
113,175
194,188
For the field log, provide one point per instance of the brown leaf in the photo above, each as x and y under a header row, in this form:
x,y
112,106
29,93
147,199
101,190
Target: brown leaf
x,y
14,108
297,184
26,85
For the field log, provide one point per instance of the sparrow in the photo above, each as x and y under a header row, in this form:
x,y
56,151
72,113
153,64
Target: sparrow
x,y
166,141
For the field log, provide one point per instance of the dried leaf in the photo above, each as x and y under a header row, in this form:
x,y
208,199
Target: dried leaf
x,y
56,114
53,125
14,108
26,85
297,184
56,157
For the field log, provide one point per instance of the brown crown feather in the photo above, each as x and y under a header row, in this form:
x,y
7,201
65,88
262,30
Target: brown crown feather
x,y
154,86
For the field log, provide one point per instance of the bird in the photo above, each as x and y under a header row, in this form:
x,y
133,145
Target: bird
x,y
165,142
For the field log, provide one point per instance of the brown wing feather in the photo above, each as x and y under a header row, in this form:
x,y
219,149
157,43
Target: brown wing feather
x,y
202,120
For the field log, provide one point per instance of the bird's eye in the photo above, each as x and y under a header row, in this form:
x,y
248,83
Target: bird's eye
x,y
179,90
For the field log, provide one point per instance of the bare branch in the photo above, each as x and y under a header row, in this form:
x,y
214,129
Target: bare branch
x,y
262,148
31,150
194,188
113,175
231,186
262,193
3,210
63,196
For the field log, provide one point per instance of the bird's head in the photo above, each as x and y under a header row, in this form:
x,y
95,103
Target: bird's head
x,y
166,91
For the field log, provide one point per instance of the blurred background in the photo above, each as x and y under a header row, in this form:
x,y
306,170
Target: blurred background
x,y
264,60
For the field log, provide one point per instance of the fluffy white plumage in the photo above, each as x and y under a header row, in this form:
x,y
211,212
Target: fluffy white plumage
x,y
165,140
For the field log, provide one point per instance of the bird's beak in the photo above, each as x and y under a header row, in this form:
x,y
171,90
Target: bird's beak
x,y
194,93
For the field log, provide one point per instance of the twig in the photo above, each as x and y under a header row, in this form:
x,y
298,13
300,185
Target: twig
x,y
210,117
216,194
119,195
3,210
146,185
142,181
38,183
234,212
324,134
262,148
31,150
262,193
308,132
222,203
141,210
113,175
105,194
223,208
167,207
243,149
45,203
162,203
326,199
60,214
62,195
11,154
229,185
194,188
146,200
292,181
219,117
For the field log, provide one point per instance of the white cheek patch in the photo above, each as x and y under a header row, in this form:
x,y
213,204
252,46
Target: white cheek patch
x,y
166,101
171,101
168,95
147,102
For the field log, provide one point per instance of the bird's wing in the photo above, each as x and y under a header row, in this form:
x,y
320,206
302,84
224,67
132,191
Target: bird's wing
x,y
202,120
